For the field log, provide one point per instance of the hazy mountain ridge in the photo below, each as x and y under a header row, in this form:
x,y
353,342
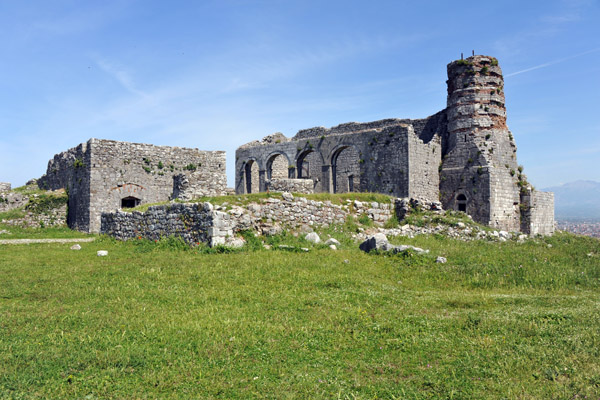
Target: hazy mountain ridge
x,y
576,200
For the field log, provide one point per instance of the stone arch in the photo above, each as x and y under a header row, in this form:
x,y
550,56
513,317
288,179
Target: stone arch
x,y
128,195
461,202
250,176
345,169
278,166
309,164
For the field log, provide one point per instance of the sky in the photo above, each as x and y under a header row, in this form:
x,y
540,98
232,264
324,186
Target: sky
x,y
217,74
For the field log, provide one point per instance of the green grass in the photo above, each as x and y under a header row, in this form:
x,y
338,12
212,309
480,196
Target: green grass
x,y
449,218
29,189
62,232
15,213
161,320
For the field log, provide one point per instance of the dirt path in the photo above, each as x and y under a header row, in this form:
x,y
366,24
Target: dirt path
x,y
29,241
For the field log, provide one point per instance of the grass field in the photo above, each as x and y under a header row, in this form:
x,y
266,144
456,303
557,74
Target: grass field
x,y
158,320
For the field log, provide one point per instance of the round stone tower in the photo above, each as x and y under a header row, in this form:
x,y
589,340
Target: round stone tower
x,y
479,168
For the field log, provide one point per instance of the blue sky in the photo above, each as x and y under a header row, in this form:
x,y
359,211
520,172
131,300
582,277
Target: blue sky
x,y
217,74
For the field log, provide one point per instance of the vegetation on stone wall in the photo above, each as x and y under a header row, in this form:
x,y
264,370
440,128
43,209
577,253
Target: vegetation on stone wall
x,y
78,163
44,203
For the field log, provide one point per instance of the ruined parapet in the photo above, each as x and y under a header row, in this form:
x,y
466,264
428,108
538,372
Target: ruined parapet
x,y
305,186
405,206
479,164
11,200
537,212
5,187
190,186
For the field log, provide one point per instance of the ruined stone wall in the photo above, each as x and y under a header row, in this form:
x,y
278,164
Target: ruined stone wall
x,y
204,223
99,174
298,212
54,217
194,223
537,212
347,171
11,201
424,161
5,187
146,172
70,170
375,155
290,185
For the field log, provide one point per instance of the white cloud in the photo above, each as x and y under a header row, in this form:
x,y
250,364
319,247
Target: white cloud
x,y
120,74
547,64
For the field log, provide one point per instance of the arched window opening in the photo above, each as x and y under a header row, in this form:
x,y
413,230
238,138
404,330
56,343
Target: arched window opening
x,y
277,167
345,170
309,165
251,177
130,202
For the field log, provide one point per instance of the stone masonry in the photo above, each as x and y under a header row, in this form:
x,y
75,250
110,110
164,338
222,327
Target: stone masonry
x,y
536,209
213,225
107,175
290,185
5,187
463,156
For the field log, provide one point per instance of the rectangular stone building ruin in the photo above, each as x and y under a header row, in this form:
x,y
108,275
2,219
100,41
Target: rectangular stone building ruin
x,y
463,156
107,175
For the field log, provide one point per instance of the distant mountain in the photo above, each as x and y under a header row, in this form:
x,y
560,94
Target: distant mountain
x,y
576,200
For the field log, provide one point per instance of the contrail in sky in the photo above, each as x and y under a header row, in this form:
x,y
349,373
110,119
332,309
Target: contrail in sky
x,y
552,62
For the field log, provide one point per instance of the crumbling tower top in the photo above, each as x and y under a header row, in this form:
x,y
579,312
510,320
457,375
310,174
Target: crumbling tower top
x,y
475,94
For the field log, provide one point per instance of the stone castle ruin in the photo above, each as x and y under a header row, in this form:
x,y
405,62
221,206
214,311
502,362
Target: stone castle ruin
x,y
105,175
463,156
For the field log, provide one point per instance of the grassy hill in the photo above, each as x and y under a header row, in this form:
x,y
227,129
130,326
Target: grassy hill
x,y
162,320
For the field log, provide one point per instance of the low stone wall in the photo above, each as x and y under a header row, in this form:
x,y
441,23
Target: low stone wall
x,y
32,217
305,186
378,212
194,223
5,187
51,218
205,223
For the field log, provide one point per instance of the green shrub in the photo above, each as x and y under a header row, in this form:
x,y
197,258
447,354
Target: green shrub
x,y
78,163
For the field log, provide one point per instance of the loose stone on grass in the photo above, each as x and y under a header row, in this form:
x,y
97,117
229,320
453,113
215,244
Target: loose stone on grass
x,y
332,241
313,238
379,242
